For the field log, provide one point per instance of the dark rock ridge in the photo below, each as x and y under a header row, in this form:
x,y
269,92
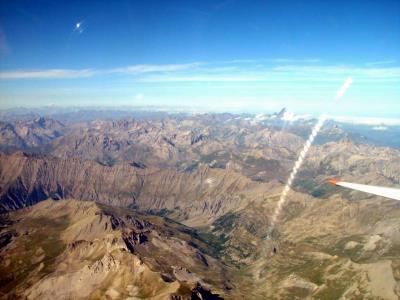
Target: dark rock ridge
x,y
25,180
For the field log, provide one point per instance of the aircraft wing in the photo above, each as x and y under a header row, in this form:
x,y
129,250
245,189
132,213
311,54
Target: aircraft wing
x,y
391,193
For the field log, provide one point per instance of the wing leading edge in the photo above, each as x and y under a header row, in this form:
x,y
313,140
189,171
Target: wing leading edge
x,y
391,193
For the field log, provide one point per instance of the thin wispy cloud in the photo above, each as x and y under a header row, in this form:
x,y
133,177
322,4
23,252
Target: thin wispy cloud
x,y
379,123
66,73
140,69
279,70
271,60
285,73
381,62
393,72
47,74
139,97
301,61
201,78
379,128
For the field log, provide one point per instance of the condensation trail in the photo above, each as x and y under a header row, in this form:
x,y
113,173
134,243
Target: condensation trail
x,y
344,88
303,153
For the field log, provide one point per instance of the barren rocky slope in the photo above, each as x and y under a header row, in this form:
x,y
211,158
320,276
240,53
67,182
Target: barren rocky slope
x,y
29,134
326,249
222,176
206,192
79,250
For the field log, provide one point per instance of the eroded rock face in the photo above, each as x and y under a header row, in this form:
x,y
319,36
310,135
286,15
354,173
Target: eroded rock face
x,y
86,256
206,192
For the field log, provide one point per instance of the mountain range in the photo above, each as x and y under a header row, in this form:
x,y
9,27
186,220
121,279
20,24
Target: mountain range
x,y
179,206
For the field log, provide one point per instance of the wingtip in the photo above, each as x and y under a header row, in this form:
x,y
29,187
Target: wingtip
x,y
333,181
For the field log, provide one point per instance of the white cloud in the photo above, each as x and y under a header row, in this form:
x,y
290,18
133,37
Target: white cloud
x,y
290,60
289,116
381,62
200,78
139,69
393,72
46,74
273,60
225,71
139,97
66,73
380,128
367,121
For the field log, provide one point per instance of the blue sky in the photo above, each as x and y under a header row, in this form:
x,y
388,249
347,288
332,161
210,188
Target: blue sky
x,y
219,55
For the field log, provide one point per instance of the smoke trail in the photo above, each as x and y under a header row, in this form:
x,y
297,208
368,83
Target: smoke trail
x,y
303,153
344,88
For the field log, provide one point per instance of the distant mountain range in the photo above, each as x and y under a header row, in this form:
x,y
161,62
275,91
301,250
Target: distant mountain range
x,y
178,206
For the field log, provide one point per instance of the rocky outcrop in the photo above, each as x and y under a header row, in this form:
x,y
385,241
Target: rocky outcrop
x,y
81,258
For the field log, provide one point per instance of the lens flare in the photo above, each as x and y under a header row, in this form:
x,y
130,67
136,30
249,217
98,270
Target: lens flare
x,y
79,27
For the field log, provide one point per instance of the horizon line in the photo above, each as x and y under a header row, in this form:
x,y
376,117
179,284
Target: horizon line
x,y
190,109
